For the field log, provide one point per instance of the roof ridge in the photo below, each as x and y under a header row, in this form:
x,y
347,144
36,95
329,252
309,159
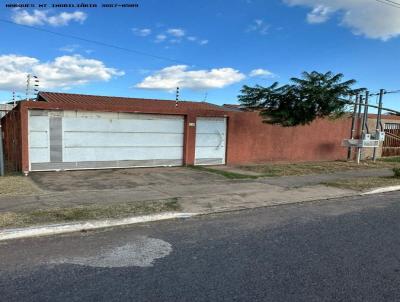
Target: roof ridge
x,y
61,97
124,97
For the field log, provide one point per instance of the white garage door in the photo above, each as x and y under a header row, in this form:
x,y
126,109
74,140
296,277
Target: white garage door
x,y
210,141
79,140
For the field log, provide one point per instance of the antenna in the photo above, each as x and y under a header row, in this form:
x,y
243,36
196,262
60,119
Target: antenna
x,y
13,97
177,97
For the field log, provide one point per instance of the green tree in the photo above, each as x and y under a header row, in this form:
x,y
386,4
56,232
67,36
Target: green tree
x,y
315,95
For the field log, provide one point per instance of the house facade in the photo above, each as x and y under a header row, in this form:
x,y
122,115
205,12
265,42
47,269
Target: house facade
x,y
62,131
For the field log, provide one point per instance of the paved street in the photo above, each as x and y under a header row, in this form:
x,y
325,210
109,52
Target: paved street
x,y
338,250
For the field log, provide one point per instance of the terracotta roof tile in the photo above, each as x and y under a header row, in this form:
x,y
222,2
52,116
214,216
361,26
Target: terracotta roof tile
x,y
62,98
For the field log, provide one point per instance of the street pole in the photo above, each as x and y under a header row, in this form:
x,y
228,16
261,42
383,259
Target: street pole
x,y
364,128
379,117
353,122
360,105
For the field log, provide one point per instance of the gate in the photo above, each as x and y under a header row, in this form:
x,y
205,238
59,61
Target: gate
x,y
391,145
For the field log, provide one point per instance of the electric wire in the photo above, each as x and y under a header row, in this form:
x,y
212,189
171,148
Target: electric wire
x,y
393,2
389,3
96,42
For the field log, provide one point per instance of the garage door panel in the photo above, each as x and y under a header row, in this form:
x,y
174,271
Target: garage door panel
x,y
211,152
118,153
210,141
39,139
104,140
125,125
39,123
38,155
210,125
109,139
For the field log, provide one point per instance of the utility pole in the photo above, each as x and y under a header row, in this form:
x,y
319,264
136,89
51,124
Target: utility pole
x,y
353,122
364,125
361,102
379,117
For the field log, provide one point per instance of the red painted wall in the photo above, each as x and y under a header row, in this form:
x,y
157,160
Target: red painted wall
x,y
248,139
251,141
11,129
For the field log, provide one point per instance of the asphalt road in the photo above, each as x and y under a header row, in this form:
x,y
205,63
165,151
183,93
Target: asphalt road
x,y
341,250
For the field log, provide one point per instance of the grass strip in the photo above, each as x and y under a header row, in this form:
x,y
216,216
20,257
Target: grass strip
x,y
294,169
88,212
394,159
364,183
17,185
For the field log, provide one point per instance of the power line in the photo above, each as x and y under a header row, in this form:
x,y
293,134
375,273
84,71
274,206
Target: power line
x,y
96,42
389,3
393,2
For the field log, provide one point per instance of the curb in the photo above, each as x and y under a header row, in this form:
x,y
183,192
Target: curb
x,y
382,190
53,229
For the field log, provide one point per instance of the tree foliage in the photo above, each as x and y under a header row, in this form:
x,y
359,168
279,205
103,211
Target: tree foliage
x,y
314,95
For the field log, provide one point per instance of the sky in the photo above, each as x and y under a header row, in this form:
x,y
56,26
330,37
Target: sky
x,y
209,48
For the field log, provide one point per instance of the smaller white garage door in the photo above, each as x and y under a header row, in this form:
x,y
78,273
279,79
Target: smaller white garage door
x,y
210,141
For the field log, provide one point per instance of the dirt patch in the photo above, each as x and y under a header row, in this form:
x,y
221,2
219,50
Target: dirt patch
x,y
89,212
115,179
225,173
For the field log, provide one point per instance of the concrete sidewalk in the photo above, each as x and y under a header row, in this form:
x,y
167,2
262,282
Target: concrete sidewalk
x,y
198,192
212,193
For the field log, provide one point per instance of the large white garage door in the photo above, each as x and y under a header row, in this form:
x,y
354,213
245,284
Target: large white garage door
x,y
210,141
79,140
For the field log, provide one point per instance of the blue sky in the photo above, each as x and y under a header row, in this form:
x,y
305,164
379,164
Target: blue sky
x,y
218,45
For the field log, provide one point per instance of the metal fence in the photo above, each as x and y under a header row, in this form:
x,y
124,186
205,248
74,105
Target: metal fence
x,y
391,145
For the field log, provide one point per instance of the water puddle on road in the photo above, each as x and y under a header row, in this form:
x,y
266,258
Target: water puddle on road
x,y
141,252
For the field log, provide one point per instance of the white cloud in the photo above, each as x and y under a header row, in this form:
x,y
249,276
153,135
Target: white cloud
x,y
69,48
371,19
179,76
319,14
62,72
42,18
142,32
261,73
171,35
160,38
176,32
259,26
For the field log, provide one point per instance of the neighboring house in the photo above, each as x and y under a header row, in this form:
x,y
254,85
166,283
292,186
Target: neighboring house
x,y
61,131
4,108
